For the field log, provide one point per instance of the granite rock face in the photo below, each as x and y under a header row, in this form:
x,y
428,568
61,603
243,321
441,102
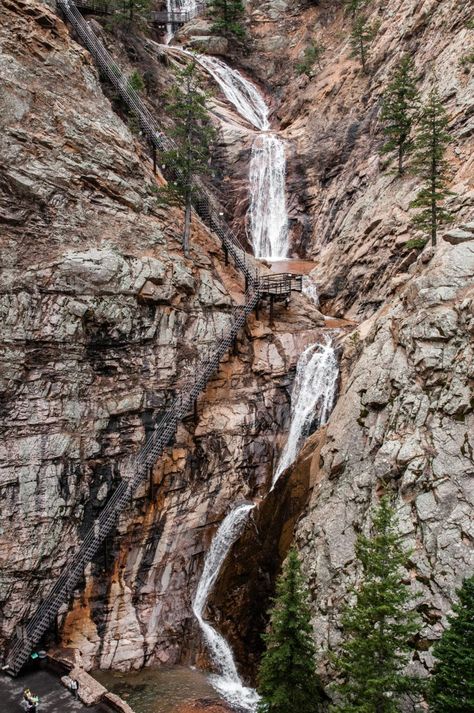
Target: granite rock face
x,y
352,211
103,319
404,424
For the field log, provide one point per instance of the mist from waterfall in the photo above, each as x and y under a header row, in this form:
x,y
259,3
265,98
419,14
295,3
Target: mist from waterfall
x,y
313,396
227,682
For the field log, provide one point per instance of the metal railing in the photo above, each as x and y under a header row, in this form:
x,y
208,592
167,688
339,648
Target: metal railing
x,y
155,17
208,208
204,202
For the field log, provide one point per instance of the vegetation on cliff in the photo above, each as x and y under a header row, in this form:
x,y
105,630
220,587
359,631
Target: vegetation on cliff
x,y
452,683
379,625
287,678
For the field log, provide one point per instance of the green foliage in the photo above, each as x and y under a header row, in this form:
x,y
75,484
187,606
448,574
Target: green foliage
x,y
378,625
135,81
287,679
130,13
399,108
416,243
228,17
311,56
467,59
452,683
354,6
362,34
194,135
431,141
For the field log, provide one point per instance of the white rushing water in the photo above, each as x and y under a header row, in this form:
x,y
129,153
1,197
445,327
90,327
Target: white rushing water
x,y
313,397
227,682
267,218
177,6
241,93
310,289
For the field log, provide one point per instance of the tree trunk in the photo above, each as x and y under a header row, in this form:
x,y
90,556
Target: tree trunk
x,y
187,226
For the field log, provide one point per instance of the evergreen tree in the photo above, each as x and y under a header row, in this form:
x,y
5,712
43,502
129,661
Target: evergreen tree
x,y
354,6
193,134
228,16
452,683
131,13
377,628
431,141
400,103
311,56
362,34
287,679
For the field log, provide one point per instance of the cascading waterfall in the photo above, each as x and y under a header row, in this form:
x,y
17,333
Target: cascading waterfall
x,y
310,289
177,6
313,397
267,218
228,682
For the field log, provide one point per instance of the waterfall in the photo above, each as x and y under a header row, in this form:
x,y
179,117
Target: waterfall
x,y
310,289
227,682
313,397
241,93
268,218
177,6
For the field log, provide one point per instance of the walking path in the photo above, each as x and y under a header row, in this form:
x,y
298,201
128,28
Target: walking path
x,y
54,698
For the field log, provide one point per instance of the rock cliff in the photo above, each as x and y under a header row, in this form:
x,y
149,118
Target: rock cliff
x,y
103,319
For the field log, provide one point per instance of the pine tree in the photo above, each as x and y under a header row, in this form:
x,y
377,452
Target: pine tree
x,y
354,6
131,13
193,134
399,107
362,34
452,683
228,16
287,679
377,628
311,56
431,141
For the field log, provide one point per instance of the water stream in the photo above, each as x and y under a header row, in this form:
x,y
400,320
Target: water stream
x,y
177,6
227,682
312,399
267,216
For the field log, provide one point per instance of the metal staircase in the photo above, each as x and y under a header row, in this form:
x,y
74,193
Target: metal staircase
x,y
257,286
160,19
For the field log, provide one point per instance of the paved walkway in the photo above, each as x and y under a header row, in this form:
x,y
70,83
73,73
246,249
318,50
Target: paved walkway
x,y
54,698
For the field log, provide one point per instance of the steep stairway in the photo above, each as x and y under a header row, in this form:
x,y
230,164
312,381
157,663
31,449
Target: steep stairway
x,y
272,287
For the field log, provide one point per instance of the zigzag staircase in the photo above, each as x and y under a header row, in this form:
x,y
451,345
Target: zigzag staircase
x,y
276,286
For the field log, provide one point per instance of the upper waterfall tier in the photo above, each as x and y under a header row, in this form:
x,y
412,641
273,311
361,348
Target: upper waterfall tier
x,y
241,93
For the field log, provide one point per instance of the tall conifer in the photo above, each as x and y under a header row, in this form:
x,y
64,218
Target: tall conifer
x,y
287,679
227,17
193,134
431,140
452,683
378,626
399,107
362,34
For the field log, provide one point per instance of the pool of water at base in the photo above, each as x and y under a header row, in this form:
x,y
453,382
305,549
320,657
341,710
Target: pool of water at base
x,y
157,690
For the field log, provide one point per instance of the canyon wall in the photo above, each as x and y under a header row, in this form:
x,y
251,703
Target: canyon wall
x,y
103,319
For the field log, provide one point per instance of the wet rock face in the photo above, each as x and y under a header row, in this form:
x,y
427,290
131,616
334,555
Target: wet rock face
x,y
103,320
403,424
